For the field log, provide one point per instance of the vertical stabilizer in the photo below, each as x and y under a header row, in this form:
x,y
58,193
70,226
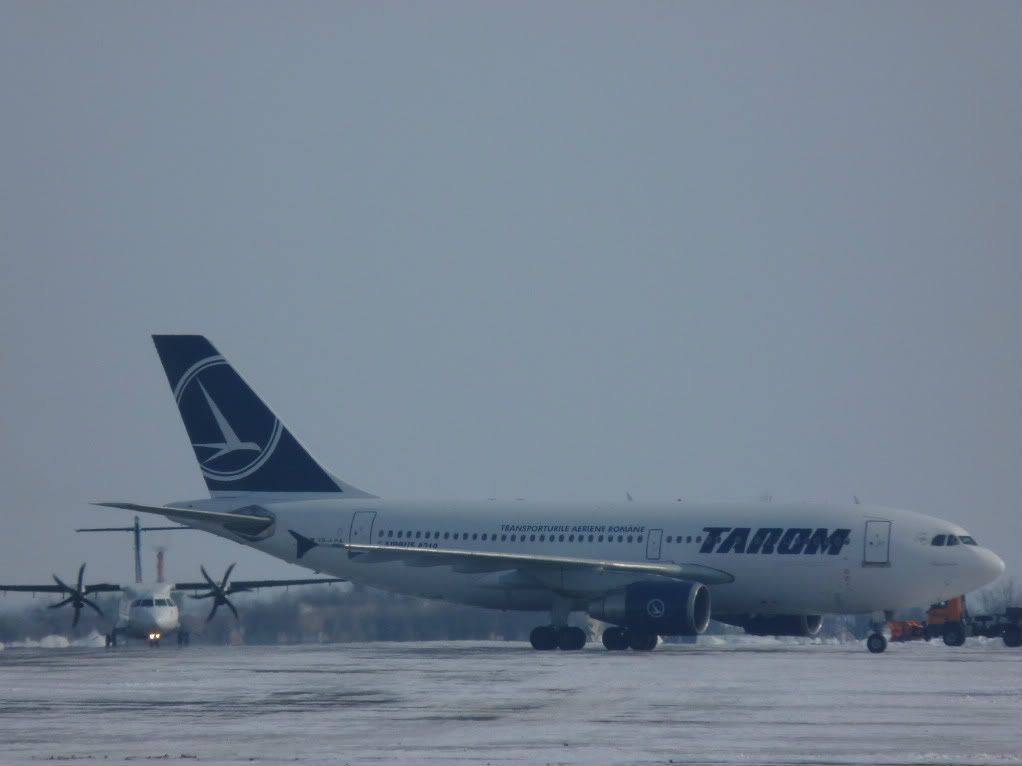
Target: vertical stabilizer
x,y
240,444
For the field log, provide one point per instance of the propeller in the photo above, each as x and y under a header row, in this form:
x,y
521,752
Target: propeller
x,y
219,592
76,597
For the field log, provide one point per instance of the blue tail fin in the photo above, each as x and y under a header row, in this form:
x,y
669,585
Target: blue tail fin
x,y
240,444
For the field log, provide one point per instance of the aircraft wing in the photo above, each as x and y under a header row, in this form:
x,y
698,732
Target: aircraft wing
x,y
238,586
103,587
493,561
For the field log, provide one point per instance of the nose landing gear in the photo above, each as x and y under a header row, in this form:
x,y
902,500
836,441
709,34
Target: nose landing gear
x,y
876,643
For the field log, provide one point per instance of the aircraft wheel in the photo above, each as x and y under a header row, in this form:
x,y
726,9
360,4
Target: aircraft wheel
x,y
876,643
571,639
642,642
1012,637
954,634
543,638
111,639
615,639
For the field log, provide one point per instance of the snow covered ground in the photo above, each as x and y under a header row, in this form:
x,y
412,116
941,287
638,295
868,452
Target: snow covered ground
x,y
749,701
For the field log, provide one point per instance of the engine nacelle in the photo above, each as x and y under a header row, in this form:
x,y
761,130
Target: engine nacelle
x,y
666,609
805,625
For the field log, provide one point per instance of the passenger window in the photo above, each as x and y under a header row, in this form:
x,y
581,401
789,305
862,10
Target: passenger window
x,y
447,535
560,538
542,538
599,539
503,538
688,539
590,538
938,540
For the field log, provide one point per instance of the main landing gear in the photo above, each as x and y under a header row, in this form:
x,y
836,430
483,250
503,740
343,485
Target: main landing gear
x,y
565,637
619,639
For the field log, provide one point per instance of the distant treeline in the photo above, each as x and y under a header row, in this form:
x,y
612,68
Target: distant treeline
x,y
352,613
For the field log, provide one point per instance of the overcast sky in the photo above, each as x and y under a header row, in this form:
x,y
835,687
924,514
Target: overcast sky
x,y
520,250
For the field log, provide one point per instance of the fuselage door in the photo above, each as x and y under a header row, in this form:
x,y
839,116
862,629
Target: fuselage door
x,y
653,539
362,527
877,544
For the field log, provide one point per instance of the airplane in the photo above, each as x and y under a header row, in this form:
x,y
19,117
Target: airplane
x,y
646,569
147,611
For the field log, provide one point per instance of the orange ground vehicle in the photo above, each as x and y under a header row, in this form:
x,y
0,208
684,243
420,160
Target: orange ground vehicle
x,y
951,621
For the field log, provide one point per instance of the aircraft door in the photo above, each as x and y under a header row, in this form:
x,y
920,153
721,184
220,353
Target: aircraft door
x,y
877,544
362,527
653,539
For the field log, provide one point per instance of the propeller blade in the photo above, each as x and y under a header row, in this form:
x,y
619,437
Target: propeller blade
x,y
233,610
203,595
227,575
209,579
62,584
78,615
81,574
216,605
96,608
65,602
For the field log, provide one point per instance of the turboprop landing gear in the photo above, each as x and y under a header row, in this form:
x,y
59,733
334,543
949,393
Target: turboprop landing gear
x,y
111,638
184,638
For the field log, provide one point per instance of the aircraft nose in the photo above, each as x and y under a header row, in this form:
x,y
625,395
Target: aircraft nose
x,y
993,566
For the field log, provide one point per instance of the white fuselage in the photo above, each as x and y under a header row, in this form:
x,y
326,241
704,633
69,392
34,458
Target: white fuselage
x,y
148,612
784,559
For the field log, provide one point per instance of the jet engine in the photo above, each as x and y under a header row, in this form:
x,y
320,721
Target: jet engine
x,y
805,625
663,609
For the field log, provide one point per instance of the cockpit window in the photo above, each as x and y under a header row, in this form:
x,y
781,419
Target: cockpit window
x,y
938,540
952,540
147,602
967,540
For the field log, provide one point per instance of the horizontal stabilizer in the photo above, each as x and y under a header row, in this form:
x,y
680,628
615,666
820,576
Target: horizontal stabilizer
x,y
236,522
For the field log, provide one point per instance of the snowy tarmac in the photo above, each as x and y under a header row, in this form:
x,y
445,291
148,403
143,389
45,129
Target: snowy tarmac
x,y
748,702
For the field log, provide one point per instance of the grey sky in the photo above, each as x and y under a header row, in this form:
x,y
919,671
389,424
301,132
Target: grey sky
x,y
549,250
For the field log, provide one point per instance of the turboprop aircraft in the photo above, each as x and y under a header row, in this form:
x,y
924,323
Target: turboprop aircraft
x,y
148,612
647,569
